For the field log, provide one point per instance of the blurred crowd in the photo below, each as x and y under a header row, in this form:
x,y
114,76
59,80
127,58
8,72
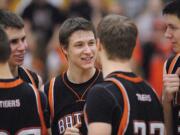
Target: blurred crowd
x,y
43,18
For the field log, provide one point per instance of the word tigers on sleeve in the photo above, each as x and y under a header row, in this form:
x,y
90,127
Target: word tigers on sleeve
x,y
10,103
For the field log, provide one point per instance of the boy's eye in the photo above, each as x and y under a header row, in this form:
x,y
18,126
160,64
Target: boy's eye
x,y
23,39
78,45
172,27
14,41
92,43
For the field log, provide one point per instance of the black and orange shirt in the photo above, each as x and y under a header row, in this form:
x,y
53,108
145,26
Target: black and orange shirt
x,y
29,76
127,103
66,102
20,111
171,66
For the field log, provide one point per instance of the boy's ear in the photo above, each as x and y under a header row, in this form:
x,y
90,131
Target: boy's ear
x,y
99,46
63,49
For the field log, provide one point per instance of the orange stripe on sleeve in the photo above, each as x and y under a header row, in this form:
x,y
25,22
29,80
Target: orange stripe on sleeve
x,y
85,115
132,79
125,116
173,63
40,111
11,84
51,98
30,77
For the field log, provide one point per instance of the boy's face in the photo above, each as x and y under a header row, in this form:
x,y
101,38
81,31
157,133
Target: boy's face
x,y
82,50
173,31
18,45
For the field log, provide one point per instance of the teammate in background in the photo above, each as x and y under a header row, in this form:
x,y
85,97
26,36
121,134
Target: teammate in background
x,y
67,92
171,81
21,109
5,51
14,27
123,104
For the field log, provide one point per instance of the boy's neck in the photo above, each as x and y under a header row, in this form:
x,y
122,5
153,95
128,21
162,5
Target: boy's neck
x,y
80,76
110,66
5,72
14,70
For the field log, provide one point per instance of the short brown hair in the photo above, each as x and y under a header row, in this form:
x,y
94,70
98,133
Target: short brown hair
x,y
70,26
10,19
118,36
172,8
5,49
